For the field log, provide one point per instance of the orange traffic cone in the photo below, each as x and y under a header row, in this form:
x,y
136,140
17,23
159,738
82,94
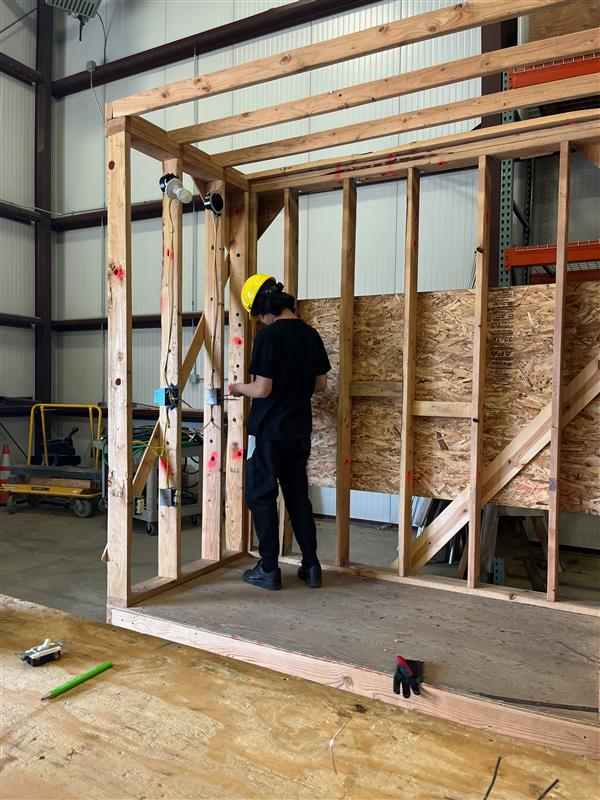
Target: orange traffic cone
x,y
4,470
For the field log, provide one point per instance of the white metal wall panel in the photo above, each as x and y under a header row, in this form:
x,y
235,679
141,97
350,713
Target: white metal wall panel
x,y
78,153
270,249
447,230
19,41
320,249
379,230
79,274
17,106
17,347
79,367
17,268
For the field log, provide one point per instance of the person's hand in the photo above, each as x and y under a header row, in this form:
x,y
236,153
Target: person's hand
x,y
234,391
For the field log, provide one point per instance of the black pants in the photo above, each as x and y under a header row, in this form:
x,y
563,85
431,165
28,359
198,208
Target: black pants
x,y
283,462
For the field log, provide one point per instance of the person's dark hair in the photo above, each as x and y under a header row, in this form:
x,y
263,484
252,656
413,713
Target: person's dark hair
x,y
271,299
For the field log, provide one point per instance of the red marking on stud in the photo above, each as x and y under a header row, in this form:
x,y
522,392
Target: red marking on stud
x,y
118,271
442,163
167,252
409,475
238,210
389,173
346,461
172,256
338,172
237,454
414,244
118,381
213,460
111,164
237,341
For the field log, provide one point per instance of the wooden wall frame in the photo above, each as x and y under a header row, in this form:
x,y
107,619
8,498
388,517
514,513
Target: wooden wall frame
x,y
252,202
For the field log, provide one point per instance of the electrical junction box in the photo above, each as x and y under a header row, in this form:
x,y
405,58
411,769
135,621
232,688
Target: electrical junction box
x,y
77,8
167,396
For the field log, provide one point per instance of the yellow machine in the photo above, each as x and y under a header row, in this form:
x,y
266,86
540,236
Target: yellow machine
x,y
52,477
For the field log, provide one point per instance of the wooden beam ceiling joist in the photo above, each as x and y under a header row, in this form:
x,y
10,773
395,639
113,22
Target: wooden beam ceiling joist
x,y
568,89
242,30
155,142
521,139
574,44
328,165
374,40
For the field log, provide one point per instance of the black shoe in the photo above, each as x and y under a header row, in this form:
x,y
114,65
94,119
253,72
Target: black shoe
x,y
266,580
311,575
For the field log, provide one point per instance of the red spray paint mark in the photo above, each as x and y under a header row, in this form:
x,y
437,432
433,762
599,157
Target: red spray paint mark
x,y
163,466
409,475
346,462
338,172
442,163
118,271
213,460
389,173
111,164
237,454
414,244
238,210
168,252
237,341
172,256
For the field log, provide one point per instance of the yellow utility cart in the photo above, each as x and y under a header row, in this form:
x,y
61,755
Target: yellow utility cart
x,y
56,471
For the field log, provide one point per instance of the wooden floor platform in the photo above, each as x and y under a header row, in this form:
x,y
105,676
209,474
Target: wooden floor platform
x,y
172,722
528,671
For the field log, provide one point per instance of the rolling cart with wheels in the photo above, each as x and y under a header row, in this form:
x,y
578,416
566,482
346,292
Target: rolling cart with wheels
x,y
55,472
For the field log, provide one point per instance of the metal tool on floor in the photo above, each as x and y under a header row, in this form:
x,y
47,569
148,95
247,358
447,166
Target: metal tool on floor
x,y
42,653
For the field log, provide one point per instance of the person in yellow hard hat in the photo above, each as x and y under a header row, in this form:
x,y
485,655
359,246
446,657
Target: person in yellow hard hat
x,y
289,363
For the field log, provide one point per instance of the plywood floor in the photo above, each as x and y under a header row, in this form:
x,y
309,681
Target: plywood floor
x,y
473,645
170,721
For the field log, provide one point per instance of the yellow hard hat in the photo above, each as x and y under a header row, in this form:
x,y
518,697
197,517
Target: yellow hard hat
x,y
251,288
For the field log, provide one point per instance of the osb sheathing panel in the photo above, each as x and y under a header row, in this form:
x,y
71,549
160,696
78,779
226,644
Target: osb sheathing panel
x,y
518,385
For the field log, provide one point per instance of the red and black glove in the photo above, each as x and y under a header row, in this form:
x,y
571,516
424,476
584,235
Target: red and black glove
x,y
409,674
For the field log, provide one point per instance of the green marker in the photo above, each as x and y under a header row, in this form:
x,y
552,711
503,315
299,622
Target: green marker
x,y
76,681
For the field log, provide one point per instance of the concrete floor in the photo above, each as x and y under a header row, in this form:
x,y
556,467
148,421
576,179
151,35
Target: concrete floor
x,y
51,557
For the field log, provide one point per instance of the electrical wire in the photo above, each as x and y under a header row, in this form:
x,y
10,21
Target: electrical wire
x,y
95,96
494,776
12,438
473,270
105,37
14,22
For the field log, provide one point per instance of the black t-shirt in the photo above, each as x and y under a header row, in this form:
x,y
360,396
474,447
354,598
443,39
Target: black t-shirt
x,y
292,354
